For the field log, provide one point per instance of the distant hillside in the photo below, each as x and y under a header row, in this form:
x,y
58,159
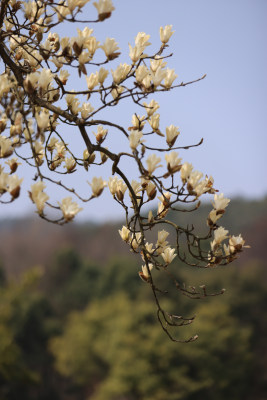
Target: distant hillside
x,y
27,242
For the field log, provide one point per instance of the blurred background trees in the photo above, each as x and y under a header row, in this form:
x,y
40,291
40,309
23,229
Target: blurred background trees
x,y
75,328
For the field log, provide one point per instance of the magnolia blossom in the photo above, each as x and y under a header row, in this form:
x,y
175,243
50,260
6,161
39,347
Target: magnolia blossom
x,y
45,78
124,233
220,202
165,33
70,164
220,234
136,52
110,47
14,183
158,76
151,190
104,7
5,84
185,171
138,122
92,80
144,274
117,92
3,181
135,139
152,163
121,189
97,186
168,255
86,110
162,242
69,208
120,72
157,62
154,122
151,108
63,76
38,196
112,184
169,78
236,243
172,132
42,119
136,240
173,161
141,72
102,74
13,164
141,39
6,148
100,134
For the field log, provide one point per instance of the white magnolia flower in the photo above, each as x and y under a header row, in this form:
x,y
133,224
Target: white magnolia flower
x,y
3,181
102,74
110,47
120,72
172,132
136,52
236,243
69,208
42,119
14,183
144,275
186,171
151,108
6,148
92,80
124,233
135,139
70,164
152,163
220,202
141,72
100,134
169,78
154,122
38,196
158,76
157,62
112,184
63,76
136,240
104,7
220,235
138,122
168,255
141,39
45,78
86,110
116,92
173,161
165,33
97,186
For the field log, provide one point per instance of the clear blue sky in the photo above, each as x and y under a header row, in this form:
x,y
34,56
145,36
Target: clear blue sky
x,y
225,40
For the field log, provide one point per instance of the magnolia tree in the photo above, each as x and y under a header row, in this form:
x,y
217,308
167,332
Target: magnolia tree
x,y
37,102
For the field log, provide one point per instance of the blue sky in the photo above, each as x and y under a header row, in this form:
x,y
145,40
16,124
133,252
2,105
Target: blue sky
x,y
225,40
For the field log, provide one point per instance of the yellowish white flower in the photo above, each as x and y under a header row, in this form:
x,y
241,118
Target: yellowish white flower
x,y
124,233
45,78
220,202
70,164
110,47
100,134
14,183
236,243
136,240
102,74
97,186
116,92
38,196
6,148
86,110
104,7
144,275
120,73
138,122
112,184
168,255
69,208
154,122
151,108
169,78
173,161
165,33
172,132
135,138
152,163
141,72
92,80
